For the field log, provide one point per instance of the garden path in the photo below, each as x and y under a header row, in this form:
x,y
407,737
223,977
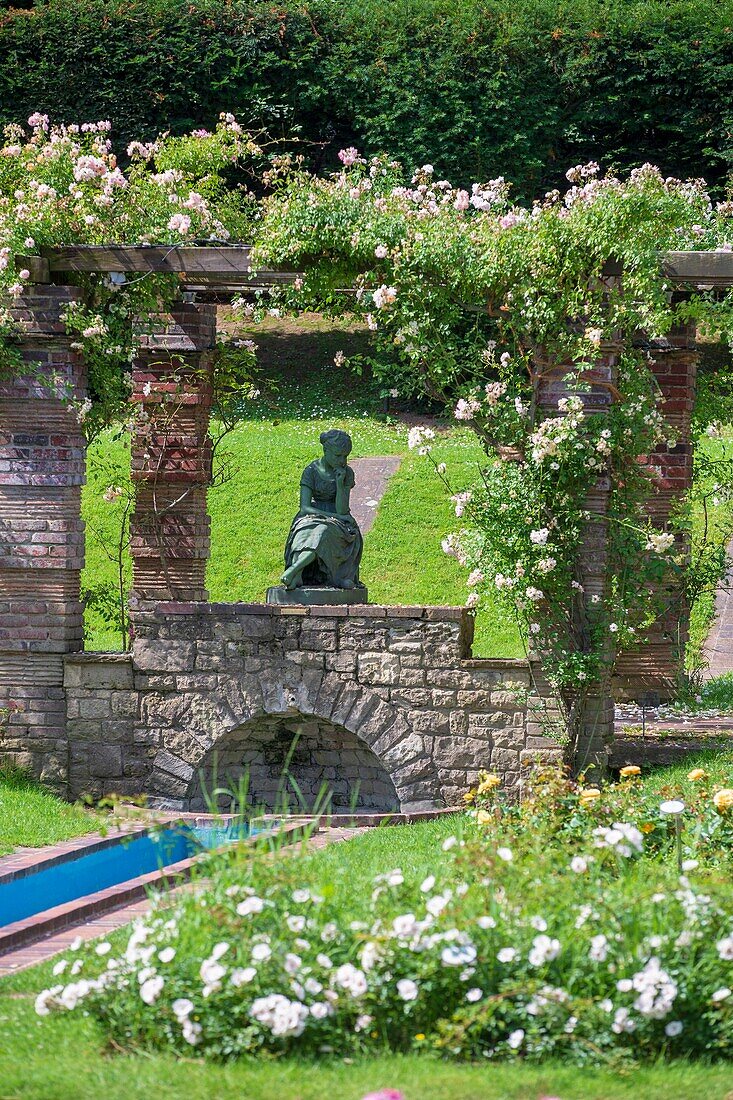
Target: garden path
x,y
372,474
718,649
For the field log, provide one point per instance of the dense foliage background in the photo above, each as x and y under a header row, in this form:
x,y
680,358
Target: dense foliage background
x,y
481,88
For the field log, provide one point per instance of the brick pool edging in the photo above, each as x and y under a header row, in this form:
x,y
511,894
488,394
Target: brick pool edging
x,y
30,929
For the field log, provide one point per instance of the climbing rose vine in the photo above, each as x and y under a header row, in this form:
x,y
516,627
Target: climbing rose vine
x,y
65,185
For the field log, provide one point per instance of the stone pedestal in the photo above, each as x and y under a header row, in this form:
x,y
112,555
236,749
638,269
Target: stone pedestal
x,y
316,596
42,464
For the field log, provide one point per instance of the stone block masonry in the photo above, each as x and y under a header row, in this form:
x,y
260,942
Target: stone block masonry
x,y
41,533
384,704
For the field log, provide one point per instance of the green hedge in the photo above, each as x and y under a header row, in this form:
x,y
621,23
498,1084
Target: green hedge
x,y
478,87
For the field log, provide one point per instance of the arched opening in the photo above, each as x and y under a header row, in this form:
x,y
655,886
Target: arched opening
x,y
294,762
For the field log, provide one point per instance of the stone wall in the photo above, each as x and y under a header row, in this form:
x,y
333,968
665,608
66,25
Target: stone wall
x,y
386,698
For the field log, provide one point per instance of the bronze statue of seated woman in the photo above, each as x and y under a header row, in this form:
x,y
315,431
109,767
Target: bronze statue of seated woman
x,y
325,544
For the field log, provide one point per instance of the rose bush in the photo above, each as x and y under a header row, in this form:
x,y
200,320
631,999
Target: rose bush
x,y
64,185
553,929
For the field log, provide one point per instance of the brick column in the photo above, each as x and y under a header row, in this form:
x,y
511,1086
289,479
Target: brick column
x,y
656,664
42,452
171,455
596,725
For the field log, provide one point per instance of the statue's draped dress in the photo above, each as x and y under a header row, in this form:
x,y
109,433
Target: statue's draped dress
x,y
337,543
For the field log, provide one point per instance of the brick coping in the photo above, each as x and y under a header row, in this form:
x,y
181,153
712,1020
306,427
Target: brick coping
x,y
32,928
161,608
366,820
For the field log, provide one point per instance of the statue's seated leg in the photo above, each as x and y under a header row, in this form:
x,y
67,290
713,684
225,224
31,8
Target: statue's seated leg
x,y
293,575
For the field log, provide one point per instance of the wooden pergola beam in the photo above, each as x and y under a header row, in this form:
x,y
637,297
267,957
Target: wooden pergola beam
x,y
224,269
687,270
203,260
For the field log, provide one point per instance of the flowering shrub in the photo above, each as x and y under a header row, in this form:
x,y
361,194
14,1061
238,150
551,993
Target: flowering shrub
x,y
63,184
553,929
624,818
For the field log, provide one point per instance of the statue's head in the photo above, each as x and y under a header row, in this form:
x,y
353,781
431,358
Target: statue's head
x,y
336,446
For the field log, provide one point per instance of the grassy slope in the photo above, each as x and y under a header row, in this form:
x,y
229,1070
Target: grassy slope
x,y
31,816
252,511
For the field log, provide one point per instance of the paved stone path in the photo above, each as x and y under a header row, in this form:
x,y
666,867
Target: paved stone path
x,y
718,649
372,474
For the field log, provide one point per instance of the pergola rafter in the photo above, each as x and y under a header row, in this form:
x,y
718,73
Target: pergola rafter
x,y
227,270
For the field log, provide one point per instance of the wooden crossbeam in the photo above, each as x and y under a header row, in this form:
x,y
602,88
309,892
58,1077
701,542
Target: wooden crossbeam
x,y
217,261
227,268
696,269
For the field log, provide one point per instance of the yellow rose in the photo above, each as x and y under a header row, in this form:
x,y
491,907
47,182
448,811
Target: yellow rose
x,y
630,771
588,796
697,773
419,1036
470,795
488,783
723,800
483,818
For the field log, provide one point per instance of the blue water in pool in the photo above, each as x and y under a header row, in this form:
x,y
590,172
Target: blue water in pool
x,y
40,890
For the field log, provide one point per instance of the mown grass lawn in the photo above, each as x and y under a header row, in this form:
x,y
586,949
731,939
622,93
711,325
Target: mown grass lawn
x,y
252,510
31,816
61,1059
718,520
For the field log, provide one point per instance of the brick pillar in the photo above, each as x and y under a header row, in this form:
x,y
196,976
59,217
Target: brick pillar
x,y
656,664
171,455
596,727
42,453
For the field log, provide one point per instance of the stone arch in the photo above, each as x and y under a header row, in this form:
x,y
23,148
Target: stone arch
x,y
377,735
293,763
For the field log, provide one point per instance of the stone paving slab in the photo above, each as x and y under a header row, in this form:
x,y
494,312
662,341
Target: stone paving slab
x,y
656,752
718,649
372,474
